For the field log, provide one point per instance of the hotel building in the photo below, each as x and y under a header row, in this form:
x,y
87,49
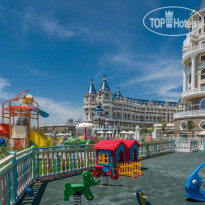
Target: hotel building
x,y
193,60
122,111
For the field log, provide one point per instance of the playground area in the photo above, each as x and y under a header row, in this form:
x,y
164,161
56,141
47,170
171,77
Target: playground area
x,y
162,182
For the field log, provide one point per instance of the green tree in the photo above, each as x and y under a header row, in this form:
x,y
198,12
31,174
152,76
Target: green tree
x,y
25,121
70,123
163,127
190,126
144,130
18,121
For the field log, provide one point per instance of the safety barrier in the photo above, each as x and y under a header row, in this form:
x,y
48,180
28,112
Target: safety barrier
x,y
186,145
130,168
151,149
19,170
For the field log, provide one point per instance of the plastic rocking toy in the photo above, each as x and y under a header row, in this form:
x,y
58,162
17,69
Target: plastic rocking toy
x,y
193,185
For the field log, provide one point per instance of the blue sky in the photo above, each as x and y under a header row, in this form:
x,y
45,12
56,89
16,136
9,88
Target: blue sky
x,y
53,48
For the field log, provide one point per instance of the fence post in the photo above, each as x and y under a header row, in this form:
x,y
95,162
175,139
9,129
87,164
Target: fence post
x,y
173,146
147,149
87,157
33,164
15,176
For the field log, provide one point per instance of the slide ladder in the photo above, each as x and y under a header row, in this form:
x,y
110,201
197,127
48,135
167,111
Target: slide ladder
x,y
39,139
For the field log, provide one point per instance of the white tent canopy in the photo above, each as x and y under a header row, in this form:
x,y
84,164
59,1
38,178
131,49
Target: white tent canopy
x,y
85,124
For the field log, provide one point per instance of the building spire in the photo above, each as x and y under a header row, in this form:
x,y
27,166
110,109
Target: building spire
x,y
104,86
118,92
91,89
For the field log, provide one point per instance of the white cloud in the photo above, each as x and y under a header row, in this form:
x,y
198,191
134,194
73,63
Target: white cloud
x,y
48,24
3,84
154,74
59,111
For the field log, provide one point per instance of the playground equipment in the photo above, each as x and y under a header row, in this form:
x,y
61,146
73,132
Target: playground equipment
x,y
112,154
39,139
2,142
23,106
141,198
78,189
130,169
193,185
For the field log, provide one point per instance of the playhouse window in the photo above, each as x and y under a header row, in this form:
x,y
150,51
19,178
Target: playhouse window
x,y
103,158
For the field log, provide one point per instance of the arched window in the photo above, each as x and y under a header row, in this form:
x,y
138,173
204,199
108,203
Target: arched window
x,y
189,78
202,104
203,74
189,106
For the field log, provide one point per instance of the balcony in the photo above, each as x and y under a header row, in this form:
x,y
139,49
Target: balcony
x,y
196,92
189,114
195,49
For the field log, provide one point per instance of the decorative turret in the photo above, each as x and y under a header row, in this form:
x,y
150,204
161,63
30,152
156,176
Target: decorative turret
x,y
118,92
91,89
104,86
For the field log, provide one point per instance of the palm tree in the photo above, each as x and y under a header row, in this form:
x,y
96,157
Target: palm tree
x,y
190,126
163,128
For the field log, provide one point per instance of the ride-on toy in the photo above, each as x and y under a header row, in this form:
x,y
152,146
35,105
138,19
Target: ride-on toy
x,y
193,185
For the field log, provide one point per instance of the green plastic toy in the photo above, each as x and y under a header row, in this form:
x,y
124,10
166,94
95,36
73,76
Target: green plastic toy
x,y
73,189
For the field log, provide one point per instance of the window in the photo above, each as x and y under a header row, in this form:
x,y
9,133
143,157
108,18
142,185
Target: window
x,y
203,85
199,31
202,104
190,78
103,158
183,125
203,74
202,125
202,57
199,18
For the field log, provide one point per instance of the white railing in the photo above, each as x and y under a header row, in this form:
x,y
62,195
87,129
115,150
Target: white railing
x,y
193,91
195,48
189,114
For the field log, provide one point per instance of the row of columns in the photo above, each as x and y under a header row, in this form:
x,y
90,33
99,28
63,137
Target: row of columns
x,y
193,73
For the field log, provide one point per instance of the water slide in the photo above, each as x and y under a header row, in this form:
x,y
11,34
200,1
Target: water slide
x,y
41,112
39,139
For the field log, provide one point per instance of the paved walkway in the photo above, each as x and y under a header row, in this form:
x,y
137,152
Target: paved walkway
x,y
162,182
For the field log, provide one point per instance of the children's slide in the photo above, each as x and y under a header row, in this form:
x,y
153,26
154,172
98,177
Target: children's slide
x,y
39,139
41,112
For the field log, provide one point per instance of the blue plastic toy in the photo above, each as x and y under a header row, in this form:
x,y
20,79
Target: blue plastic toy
x,y
29,191
2,142
141,198
193,185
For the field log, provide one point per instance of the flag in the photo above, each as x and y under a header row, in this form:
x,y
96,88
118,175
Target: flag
x,y
101,92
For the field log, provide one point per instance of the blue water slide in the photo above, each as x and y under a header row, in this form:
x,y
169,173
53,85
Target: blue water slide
x,y
41,112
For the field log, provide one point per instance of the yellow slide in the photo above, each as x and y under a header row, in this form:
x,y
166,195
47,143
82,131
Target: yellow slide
x,y
39,139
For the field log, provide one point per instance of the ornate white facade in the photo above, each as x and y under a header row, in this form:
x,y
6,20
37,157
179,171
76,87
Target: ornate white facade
x,y
121,111
193,60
